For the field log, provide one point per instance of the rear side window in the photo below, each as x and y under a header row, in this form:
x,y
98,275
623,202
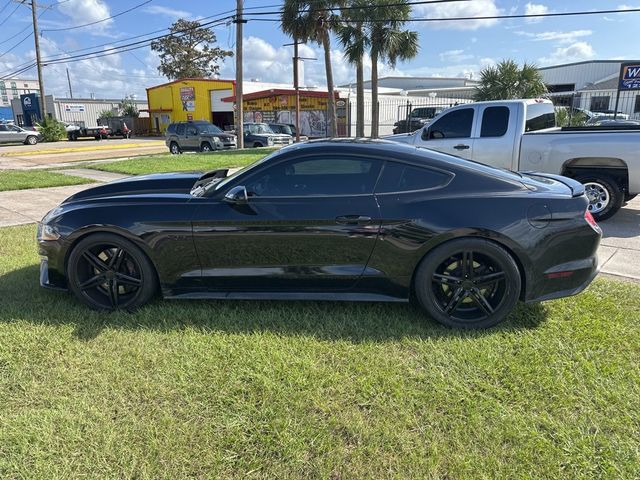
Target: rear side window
x,y
180,129
456,124
172,128
495,122
540,116
399,177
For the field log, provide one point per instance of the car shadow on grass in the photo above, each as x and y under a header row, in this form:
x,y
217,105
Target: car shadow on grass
x,y
24,301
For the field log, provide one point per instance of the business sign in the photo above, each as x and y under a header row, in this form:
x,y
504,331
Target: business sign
x,y
74,107
26,101
630,76
188,98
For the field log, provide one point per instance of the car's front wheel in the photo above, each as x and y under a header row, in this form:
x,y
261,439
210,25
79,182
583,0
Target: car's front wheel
x,y
468,283
205,147
108,272
174,148
31,140
257,145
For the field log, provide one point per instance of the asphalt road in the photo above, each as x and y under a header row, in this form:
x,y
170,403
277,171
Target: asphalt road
x,y
42,155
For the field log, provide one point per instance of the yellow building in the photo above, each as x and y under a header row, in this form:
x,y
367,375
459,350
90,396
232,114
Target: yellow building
x,y
190,99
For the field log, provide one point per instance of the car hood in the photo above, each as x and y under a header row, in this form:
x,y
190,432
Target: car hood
x,y
164,183
409,138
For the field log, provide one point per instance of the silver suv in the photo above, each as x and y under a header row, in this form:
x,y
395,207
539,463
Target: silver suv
x,y
199,136
14,134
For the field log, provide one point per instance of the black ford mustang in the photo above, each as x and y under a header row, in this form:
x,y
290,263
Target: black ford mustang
x,y
332,219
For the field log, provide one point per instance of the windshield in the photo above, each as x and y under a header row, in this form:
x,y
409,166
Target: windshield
x,y
257,128
209,128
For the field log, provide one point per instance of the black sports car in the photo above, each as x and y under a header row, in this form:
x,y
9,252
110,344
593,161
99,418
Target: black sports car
x,y
332,219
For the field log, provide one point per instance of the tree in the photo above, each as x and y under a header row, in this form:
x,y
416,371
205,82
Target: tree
x,y
106,113
51,129
189,51
128,108
388,43
507,80
313,20
353,37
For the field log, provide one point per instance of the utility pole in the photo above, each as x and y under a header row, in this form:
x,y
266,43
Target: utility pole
x,y
69,80
43,104
239,110
296,85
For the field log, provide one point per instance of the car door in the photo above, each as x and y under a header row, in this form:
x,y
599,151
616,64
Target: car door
x,y
496,144
18,134
451,133
191,138
309,224
5,134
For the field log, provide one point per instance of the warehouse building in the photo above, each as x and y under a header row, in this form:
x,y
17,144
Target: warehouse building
x,y
80,111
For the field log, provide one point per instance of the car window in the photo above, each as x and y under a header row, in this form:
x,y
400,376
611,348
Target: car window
x,y
400,177
16,129
540,116
495,122
456,124
209,128
171,128
180,129
316,177
3,128
191,130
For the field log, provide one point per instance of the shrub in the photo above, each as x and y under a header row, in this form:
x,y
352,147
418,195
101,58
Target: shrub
x,y
52,130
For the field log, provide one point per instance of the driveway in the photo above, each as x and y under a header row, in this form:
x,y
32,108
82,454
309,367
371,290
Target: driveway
x,y
65,152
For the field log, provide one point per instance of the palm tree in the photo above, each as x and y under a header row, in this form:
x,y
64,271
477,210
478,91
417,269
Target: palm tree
x,y
388,43
353,37
507,80
313,20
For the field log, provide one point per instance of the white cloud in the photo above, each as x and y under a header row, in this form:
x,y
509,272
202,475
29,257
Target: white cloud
x,y
560,37
455,56
86,11
575,52
535,9
476,8
168,12
627,7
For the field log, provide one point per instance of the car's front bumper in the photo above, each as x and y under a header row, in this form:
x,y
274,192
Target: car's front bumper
x,y
51,279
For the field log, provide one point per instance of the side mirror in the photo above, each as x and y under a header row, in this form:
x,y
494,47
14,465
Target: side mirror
x,y
237,195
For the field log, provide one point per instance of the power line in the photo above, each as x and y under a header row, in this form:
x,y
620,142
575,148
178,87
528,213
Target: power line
x,y
17,44
5,6
9,16
98,21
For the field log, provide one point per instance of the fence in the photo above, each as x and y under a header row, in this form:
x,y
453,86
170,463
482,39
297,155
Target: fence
x,y
601,101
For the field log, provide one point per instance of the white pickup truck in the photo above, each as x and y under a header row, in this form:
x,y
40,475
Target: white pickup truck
x,y
521,135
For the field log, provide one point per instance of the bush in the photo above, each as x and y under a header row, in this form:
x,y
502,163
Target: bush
x,y
563,119
52,130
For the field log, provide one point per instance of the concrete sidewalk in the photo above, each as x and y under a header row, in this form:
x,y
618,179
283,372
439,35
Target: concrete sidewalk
x,y
619,252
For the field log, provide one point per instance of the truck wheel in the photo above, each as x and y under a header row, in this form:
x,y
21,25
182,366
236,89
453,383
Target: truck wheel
x,y
628,198
604,194
174,148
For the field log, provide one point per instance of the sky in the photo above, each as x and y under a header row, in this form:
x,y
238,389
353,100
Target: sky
x,y
448,48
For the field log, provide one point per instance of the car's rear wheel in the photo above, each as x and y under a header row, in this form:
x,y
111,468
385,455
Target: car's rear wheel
x,y
31,140
468,283
174,148
108,272
205,147
604,194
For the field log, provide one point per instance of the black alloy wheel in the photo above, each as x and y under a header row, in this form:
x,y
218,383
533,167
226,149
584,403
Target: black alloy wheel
x,y
468,283
108,272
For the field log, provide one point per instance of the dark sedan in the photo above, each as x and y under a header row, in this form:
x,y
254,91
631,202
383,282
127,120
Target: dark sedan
x,y
329,220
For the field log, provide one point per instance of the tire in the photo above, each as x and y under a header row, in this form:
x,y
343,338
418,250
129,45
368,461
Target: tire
x,y
174,148
604,194
206,147
108,272
31,140
468,283
257,145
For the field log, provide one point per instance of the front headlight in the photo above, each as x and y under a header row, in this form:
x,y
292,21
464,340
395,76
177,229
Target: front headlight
x,y
270,141
47,233
215,139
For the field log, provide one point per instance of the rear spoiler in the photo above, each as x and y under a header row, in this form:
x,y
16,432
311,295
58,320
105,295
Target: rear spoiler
x,y
576,187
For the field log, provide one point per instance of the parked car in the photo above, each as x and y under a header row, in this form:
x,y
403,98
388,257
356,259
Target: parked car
x,y
287,129
520,135
261,135
200,136
15,134
329,220
416,119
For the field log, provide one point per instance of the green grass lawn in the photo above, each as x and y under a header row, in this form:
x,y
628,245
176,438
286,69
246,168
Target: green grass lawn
x,y
186,162
312,390
22,179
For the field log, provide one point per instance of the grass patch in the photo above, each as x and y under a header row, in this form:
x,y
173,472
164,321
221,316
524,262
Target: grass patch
x,y
23,179
184,163
311,389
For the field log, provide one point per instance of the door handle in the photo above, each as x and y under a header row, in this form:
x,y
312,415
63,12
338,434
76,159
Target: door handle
x,y
462,147
353,219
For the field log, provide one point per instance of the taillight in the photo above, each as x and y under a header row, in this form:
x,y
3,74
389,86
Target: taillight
x,y
592,221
